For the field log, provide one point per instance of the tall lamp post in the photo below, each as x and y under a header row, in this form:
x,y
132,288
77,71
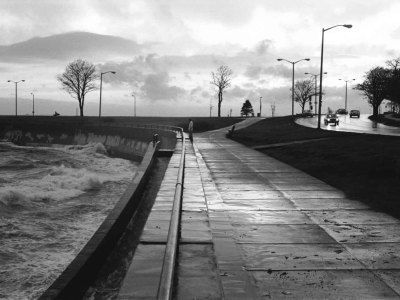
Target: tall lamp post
x,y
260,106
315,93
33,104
321,70
101,83
16,97
293,63
345,99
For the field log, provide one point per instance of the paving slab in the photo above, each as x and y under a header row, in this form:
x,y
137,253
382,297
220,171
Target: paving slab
x,y
322,284
198,277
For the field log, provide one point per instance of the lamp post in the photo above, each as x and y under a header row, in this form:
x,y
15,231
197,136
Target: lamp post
x,y
260,106
345,99
16,97
33,104
134,104
315,93
101,83
321,70
293,63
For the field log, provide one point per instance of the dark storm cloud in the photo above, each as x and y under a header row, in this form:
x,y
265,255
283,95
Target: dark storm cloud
x,y
237,92
197,91
156,87
70,45
278,70
263,47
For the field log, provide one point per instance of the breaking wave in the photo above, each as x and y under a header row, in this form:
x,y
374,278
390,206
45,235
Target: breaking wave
x,y
52,200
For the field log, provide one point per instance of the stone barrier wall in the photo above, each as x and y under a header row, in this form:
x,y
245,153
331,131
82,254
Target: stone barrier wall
x,y
124,142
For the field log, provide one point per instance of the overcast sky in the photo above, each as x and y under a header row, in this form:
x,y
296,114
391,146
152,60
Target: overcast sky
x,y
164,52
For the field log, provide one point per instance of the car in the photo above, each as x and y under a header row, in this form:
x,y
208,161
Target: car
x,y
341,111
308,113
331,118
354,113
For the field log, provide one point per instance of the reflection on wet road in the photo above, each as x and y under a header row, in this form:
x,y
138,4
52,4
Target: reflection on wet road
x,y
360,125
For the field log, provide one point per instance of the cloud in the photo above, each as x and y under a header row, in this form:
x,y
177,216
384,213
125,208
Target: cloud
x,y
70,45
263,46
237,92
156,87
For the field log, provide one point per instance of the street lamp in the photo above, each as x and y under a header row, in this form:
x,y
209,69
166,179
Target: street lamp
x,y
101,83
260,106
33,104
16,101
321,70
293,63
315,85
345,101
134,104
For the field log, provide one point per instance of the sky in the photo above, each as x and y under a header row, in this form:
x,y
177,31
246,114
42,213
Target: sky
x,y
163,52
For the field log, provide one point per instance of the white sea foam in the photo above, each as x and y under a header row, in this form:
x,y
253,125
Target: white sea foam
x,y
50,208
61,182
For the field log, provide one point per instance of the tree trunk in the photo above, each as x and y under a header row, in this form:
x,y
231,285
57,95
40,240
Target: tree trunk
x,y
375,110
219,103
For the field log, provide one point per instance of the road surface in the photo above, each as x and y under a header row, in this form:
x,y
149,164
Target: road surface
x,y
360,125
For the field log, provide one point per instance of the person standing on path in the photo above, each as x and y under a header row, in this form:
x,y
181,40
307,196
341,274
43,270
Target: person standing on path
x,y
190,130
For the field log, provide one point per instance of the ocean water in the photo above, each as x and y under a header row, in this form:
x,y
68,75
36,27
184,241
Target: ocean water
x,y
52,200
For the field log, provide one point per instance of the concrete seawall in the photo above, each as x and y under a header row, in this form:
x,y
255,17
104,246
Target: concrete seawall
x,y
120,141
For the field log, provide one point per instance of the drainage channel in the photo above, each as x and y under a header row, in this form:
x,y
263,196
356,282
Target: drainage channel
x,y
110,278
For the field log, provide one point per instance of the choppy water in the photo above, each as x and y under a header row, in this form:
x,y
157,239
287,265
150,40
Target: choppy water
x,y
51,202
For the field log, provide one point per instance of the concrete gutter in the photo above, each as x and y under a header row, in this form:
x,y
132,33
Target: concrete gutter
x,y
72,283
165,289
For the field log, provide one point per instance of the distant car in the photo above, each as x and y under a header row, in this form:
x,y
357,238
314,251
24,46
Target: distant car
x,y
308,113
331,118
341,111
354,113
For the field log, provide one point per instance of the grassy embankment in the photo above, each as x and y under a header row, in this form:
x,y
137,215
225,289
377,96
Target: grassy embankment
x,y
365,167
201,124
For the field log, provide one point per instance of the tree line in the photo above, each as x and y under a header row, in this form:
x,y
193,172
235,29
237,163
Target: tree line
x,y
382,83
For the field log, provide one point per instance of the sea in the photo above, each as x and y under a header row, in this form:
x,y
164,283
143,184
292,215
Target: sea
x,y
52,200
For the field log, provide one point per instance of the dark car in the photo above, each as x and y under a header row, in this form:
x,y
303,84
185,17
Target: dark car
x,y
331,118
341,111
308,113
354,113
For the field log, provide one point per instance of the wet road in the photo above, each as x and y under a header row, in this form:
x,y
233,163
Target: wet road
x,y
361,125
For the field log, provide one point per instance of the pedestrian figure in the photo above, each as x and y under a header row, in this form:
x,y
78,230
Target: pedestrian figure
x,y
190,130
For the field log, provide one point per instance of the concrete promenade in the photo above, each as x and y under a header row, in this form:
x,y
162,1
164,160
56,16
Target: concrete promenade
x,y
256,228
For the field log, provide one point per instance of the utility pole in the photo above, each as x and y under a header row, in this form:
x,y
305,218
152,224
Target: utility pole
x,y
33,104
260,106
134,104
273,109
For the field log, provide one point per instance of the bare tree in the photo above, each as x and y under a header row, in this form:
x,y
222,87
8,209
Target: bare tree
x,y
303,90
79,79
222,80
375,87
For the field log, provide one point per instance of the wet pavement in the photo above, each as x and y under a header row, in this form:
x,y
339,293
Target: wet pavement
x,y
256,228
358,125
